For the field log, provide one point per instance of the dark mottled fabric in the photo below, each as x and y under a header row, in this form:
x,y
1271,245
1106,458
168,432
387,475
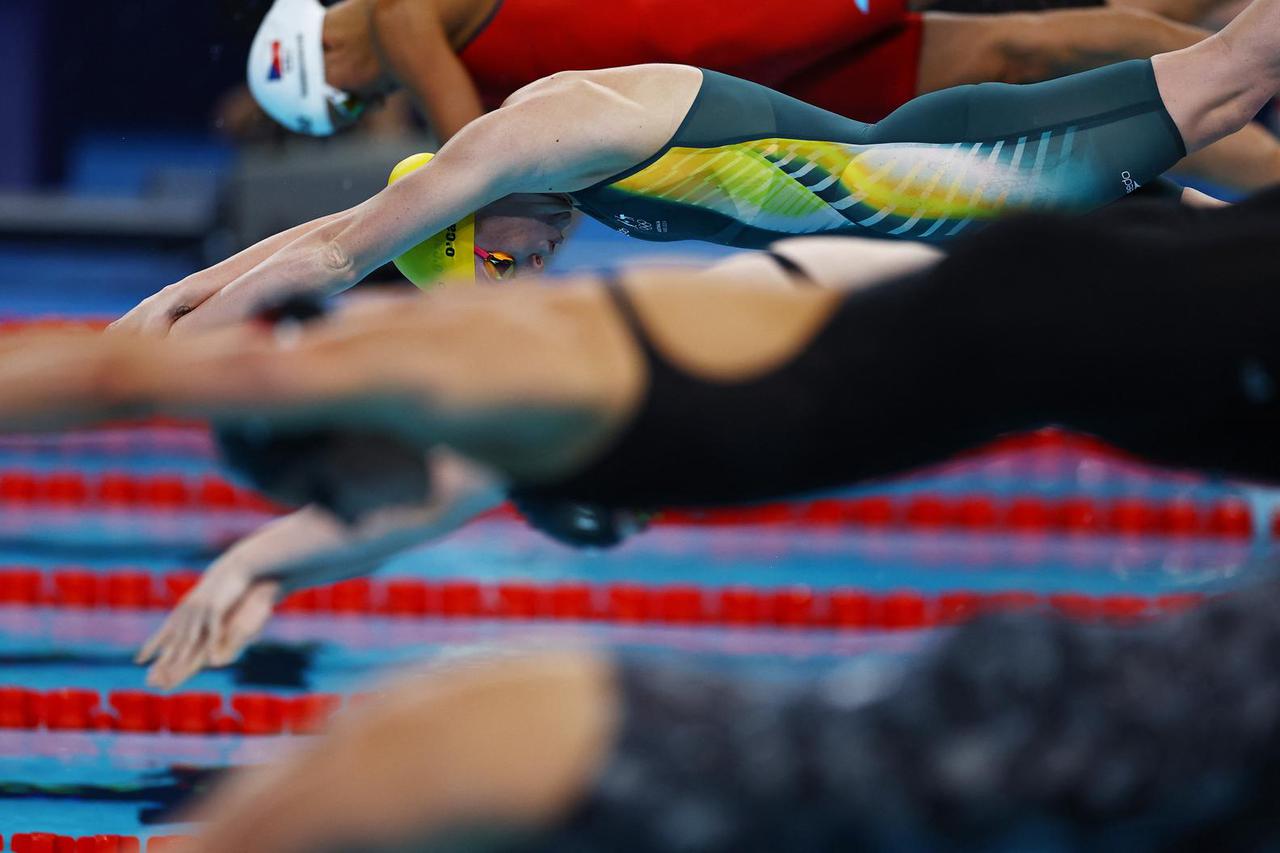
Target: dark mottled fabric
x,y
1018,732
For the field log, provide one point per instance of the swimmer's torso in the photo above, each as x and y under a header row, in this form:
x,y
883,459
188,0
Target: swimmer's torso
x,y
748,166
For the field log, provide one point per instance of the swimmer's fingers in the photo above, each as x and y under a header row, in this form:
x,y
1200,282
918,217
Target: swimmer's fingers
x,y
173,627
213,634
183,653
187,651
216,592
176,673
153,645
171,670
244,623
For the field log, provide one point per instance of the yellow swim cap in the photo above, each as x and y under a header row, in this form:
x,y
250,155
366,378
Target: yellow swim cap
x,y
446,258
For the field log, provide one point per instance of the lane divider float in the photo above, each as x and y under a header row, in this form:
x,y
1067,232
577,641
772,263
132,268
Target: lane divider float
x,y
50,842
145,712
207,713
1228,517
739,606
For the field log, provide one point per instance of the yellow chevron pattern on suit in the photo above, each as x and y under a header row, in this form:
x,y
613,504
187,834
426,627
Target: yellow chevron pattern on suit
x,y
791,186
749,165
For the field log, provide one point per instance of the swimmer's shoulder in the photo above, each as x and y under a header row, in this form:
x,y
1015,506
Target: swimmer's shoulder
x,y
655,82
603,122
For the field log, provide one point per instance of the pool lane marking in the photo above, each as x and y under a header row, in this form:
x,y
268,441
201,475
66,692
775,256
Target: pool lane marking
x,y
684,604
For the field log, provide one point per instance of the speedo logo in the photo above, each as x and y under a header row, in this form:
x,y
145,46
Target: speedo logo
x,y
1129,183
450,237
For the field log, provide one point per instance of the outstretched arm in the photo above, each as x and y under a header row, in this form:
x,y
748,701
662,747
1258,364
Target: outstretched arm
x,y
453,379
515,741
236,595
157,313
574,129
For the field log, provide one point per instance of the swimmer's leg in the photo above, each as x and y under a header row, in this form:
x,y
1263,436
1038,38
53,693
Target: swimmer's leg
x,y
1078,142
1030,47
1214,87
1083,141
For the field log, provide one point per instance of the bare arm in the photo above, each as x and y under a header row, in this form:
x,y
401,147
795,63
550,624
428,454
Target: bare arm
x,y
574,129
235,597
512,744
413,46
527,381
452,378
157,313
459,492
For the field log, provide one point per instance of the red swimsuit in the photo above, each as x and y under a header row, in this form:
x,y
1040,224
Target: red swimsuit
x,y
831,53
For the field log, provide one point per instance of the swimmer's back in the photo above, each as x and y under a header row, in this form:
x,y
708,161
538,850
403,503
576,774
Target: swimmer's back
x,y
762,41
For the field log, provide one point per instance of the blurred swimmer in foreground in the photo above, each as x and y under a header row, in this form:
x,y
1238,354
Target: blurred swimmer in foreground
x,y
666,152
861,59
1015,733
595,402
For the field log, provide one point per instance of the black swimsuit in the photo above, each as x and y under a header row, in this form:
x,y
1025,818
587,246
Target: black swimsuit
x,y
1150,325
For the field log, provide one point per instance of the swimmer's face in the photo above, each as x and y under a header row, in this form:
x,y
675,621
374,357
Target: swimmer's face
x,y
528,227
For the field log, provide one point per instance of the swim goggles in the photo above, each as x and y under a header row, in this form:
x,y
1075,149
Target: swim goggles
x,y
498,266
345,105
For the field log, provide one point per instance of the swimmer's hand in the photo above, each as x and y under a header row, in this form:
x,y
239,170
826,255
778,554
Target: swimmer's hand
x,y
222,614
156,314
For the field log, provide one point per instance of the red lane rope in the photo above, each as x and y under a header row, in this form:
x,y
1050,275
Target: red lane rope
x,y
50,842
845,609
144,711
122,490
1228,517
202,713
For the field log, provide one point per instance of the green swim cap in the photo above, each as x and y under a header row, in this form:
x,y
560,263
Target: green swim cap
x,y
447,257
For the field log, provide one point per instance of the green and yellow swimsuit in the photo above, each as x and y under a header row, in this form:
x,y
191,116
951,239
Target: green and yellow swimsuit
x,y
748,165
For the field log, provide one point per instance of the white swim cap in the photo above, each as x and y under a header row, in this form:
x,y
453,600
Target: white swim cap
x,y
286,68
